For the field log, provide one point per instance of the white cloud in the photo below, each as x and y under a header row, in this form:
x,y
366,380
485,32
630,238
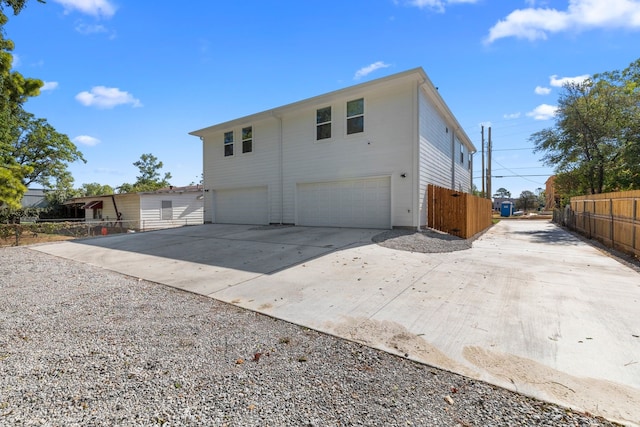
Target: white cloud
x,y
15,60
559,82
543,112
86,140
49,86
512,116
83,28
97,8
365,71
437,5
106,97
539,90
537,23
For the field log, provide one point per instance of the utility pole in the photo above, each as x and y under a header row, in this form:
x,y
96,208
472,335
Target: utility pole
x,y
483,182
489,166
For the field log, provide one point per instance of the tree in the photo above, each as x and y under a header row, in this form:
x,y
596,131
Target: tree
x,y
502,193
596,138
95,189
149,178
45,151
526,201
15,89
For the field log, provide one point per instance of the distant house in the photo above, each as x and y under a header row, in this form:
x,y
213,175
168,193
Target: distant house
x,y
168,207
497,202
34,198
357,157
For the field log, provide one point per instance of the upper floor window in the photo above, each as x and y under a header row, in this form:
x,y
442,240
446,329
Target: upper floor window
x,y
228,144
462,154
323,123
247,139
355,116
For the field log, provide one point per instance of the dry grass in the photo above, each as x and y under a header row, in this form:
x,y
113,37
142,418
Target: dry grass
x,y
29,239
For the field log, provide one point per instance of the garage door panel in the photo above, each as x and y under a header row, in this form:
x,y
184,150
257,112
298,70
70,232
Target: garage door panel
x,y
241,206
364,203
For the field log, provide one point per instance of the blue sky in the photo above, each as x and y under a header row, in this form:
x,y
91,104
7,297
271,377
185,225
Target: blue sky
x,y
127,77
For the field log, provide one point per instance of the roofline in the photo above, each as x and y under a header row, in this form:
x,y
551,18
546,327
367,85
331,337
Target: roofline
x,y
417,74
275,112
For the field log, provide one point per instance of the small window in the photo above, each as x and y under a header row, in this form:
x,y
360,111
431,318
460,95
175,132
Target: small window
x,y
167,210
228,144
323,123
469,164
247,139
97,213
461,154
355,116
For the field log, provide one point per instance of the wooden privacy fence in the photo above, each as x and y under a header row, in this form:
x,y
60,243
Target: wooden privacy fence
x,y
612,218
457,213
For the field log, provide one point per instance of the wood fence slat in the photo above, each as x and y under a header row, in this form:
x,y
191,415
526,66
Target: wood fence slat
x,y
457,213
611,218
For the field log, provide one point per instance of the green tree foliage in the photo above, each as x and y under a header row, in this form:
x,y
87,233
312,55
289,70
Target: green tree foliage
x,y
95,189
502,193
594,145
22,137
527,201
46,152
149,178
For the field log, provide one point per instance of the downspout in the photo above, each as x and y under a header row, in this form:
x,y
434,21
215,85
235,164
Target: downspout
x,y
416,157
281,167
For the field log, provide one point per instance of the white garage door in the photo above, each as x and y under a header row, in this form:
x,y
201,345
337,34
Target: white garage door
x,y
241,206
362,203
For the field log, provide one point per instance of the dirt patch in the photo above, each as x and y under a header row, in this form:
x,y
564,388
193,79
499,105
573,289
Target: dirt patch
x,y
395,338
598,397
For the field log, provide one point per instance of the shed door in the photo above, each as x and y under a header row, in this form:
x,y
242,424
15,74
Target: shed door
x,y
241,206
360,203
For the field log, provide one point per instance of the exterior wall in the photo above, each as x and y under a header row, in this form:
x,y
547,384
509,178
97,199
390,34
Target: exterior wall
x,y
439,148
186,209
283,160
462,175
409,136
383,149
255,169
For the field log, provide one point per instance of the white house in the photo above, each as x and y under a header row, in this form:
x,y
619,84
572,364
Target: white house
x,y
167,207
357,157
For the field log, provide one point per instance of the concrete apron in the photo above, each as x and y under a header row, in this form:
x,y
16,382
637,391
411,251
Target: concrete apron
x,y
529,307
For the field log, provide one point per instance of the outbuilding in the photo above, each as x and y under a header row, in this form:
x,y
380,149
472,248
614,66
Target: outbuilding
x,y
167,207
361,156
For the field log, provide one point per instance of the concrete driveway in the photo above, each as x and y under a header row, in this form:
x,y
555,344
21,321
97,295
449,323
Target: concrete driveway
x,y
529,308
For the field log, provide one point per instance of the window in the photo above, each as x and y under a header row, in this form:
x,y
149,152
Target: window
x,y
355,116
97,213
247,139
323,123
167,210
462,154
228,144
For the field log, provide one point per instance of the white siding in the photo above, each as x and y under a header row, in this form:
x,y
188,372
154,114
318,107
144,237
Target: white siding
x,y
186,208
258,168
462,177
383,149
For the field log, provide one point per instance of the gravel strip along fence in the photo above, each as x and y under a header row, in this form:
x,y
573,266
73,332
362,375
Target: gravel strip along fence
x,y
81,346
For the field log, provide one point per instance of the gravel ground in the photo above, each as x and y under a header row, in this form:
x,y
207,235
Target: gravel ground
x,y
83,346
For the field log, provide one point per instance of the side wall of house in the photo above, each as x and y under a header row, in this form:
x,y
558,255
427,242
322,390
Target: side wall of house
x,y
444,159
186,208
